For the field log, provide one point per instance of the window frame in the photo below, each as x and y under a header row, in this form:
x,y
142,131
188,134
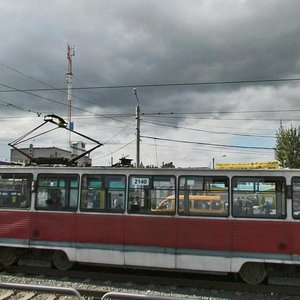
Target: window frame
x,y
294,178
67,187
259,196
29,178
204,192
134,205
105,187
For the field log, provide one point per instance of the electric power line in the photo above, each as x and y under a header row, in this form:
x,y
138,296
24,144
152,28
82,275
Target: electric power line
x,y
4,103
39,81
97,158
64,104
220,112
208,144
207,131
278,80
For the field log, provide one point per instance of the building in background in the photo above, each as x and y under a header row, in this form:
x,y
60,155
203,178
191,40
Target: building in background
x,y
49,156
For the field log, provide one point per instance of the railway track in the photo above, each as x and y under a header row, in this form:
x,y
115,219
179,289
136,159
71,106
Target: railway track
x,y
158,279
137,277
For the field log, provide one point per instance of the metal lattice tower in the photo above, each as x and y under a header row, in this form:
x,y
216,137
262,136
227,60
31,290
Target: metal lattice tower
x,y
70,53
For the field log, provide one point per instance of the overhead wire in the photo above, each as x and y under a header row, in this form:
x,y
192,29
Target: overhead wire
x,y
45,98
38,80
220,112
4,103
206,131
64,104
218,118
97,158
276,80
208,144
207,148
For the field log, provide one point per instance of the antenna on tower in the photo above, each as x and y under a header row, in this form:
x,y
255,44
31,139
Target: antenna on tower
x,y
70,53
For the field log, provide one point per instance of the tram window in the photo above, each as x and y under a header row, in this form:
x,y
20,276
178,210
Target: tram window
x,y
203,196
57,192
104,193
151,194
296,197
15,190
258,197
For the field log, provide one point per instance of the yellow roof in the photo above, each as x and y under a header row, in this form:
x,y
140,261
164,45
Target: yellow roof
x,y
249,165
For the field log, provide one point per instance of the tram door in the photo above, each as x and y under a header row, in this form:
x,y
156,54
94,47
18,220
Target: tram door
x,y
54,221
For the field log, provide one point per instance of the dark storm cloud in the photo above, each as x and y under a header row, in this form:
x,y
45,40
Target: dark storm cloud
x,y
154,42
149,42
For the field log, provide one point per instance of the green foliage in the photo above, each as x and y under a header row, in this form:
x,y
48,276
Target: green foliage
x,y
287,149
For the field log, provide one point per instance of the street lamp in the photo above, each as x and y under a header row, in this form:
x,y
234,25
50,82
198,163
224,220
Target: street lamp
x,y
213,160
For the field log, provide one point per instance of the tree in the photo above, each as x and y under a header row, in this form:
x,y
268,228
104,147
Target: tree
x,y
287,149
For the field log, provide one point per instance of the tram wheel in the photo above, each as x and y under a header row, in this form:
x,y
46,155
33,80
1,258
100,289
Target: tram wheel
x,y
61,260
8,256
253,273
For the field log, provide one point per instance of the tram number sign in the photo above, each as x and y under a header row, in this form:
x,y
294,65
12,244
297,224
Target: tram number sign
x,y
142,181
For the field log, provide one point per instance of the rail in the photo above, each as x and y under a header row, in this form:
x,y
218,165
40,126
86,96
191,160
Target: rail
x,y
116,295
41,288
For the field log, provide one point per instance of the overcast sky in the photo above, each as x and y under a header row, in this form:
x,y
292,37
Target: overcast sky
x,y
203,72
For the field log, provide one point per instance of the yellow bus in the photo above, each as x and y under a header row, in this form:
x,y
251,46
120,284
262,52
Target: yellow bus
x,y
197,204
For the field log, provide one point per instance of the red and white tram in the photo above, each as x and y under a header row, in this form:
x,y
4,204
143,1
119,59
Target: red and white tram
x,y
239,221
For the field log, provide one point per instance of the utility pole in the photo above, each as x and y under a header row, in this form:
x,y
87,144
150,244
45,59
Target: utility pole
x,y
70,53
138,120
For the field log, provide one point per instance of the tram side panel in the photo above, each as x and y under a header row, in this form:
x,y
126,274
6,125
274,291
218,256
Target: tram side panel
x,y
262,237
129,240
204,244
294,242
154,241
53,229
100,238
15,228
151,241
15,202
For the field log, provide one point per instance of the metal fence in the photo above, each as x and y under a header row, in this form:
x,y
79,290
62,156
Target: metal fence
x,y
41,288
121,296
